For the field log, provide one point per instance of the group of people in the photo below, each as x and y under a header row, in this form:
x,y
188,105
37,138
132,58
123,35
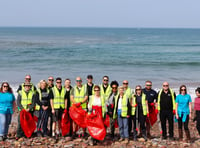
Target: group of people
x,y
133,110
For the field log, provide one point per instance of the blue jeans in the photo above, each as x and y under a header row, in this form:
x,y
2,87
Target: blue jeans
x,y
5,120
123,126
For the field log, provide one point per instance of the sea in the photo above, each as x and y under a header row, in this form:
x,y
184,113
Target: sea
x,y
133,54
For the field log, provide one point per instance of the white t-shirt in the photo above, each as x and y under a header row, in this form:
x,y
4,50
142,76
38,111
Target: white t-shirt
x,y
120,103
97,101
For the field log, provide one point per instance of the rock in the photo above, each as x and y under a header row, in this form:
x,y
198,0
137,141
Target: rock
x,y
21,139
141,139
69,146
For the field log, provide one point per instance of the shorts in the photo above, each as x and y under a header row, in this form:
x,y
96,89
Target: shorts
x,y
57,116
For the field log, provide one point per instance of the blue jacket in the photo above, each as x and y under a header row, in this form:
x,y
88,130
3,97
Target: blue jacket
x,y
6,103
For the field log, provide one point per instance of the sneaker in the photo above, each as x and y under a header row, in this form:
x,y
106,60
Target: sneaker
x,y
164,137
1,138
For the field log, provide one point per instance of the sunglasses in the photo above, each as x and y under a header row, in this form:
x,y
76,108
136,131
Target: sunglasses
x,y
5,86
137,89
28,78
183,89
58,82
125,83
51,80
165,85
105,80
114,87
78,80
97,90
148,85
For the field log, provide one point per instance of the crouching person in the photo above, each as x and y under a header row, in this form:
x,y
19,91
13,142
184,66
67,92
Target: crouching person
x,y
25,100
96,104
121,112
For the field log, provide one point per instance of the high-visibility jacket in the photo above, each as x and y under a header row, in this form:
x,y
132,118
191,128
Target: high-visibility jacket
x,y
59,98
144,105
107,93
90,104
37,107
32,87
124,110
79,95
26,99
172,95
92,88
128,93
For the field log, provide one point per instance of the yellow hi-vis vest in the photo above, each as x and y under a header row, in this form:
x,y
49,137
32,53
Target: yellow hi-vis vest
x,y
26,99
124,106
107,93
128,93
32,87
102,104
144,105
37,107
79,95
173,99
59,98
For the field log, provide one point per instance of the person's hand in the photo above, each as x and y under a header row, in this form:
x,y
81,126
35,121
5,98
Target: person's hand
x,y
27,109
156,111
148,115
174,112
177,116
78,104
190,115
65,110
135,105
128,116
151,104
53,111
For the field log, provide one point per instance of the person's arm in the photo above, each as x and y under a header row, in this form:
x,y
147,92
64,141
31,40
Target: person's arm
x,y
86,97
176,110
72,96
20,88
19,98
190,107
51,101
65,100
32,105
147,107
37,99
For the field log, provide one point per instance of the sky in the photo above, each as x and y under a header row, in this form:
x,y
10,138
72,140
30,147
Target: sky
x,y
100,13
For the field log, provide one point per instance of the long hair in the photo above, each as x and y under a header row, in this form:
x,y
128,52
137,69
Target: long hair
x,y
9,88
181,88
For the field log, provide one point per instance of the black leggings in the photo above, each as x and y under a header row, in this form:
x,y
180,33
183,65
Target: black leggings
x,y
180,122
198,121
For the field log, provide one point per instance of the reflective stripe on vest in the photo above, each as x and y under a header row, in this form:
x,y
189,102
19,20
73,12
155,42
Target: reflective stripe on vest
x,y
79,95
107,93
26,99
32,87
124,106
59,98
144,105
37,107
173,99
102,104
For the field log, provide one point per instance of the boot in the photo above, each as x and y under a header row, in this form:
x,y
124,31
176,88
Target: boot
x,y
144,134
187,133
180,132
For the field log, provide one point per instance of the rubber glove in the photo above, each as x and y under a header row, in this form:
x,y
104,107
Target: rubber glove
x,y
78,104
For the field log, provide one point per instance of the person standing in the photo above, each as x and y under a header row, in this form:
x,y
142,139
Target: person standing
x,y
79,97
139,111
7,107
105,87
25,100
58,101
128,92
27,80
90,86
43,106
152,99
197,109
166,107
183,112
110,102
68,88
96,104
122,113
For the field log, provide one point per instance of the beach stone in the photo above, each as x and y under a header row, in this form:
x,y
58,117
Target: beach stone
x,y
21,139
68,145
141,140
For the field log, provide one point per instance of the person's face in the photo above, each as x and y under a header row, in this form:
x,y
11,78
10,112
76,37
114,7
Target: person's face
x,y
58,83
67,83
148,85
105,80
138,90
27,88
114,88
42,85
121,91
97,91
5,87
78,81
165,86
197,94
28,78
89,80
125,84
50,80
